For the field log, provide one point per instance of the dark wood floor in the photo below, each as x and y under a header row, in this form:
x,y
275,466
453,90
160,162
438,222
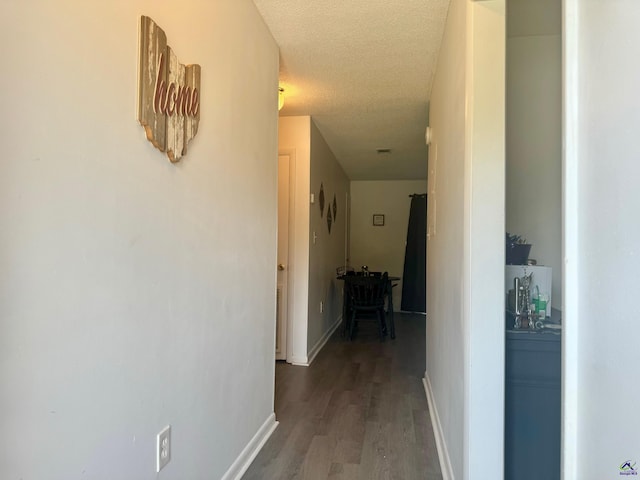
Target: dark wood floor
x,y
358,412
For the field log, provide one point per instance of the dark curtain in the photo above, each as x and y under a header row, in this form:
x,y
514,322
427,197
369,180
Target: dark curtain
x,y
414,282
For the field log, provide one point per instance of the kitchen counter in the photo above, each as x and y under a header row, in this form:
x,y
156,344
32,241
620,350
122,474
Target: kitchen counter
x,y
553,323
533,403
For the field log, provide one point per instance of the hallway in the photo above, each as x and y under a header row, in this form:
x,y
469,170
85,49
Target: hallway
x,y
358,412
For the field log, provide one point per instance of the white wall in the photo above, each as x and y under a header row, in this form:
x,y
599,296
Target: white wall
x,y
484,235
446,338
327,253
601,249
465,247
534,150
294,137
313,264
134,293
382,248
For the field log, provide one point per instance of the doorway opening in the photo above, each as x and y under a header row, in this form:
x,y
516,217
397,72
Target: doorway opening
x,y
533,211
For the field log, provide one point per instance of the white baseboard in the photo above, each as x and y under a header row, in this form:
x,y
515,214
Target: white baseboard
x,y
300,361
306,361
242,463
441,444
323,341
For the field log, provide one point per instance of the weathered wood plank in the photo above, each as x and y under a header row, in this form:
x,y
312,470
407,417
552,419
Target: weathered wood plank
x,y
168,93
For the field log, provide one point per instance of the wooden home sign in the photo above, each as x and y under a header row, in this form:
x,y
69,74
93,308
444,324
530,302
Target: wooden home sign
x,y
168,93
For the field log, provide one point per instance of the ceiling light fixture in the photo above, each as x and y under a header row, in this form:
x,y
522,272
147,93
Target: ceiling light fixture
x,y
280,98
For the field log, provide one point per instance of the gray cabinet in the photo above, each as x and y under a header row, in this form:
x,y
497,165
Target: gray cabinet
x,y
532,406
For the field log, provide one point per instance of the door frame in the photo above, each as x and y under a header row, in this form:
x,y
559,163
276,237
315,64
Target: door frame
x,y
570,235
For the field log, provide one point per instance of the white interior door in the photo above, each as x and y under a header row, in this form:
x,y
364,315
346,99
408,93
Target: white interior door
x,y
283,256
347,229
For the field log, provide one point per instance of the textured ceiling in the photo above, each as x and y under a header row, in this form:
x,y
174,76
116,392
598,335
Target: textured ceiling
x,y
363,70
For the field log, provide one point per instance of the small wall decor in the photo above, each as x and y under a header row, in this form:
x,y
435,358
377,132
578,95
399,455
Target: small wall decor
x,y
335,207
378,220
321,200
329,220
168,93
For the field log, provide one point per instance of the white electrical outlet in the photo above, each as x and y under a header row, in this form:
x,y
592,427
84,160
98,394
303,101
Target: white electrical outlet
x,y
163,448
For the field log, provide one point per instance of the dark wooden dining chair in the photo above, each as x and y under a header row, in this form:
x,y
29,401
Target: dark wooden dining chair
x,y
366,300
390,313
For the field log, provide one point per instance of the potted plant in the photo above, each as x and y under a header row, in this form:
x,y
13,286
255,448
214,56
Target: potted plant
x,y
517,250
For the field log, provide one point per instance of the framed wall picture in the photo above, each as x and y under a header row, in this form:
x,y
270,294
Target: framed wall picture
x,y
378,220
